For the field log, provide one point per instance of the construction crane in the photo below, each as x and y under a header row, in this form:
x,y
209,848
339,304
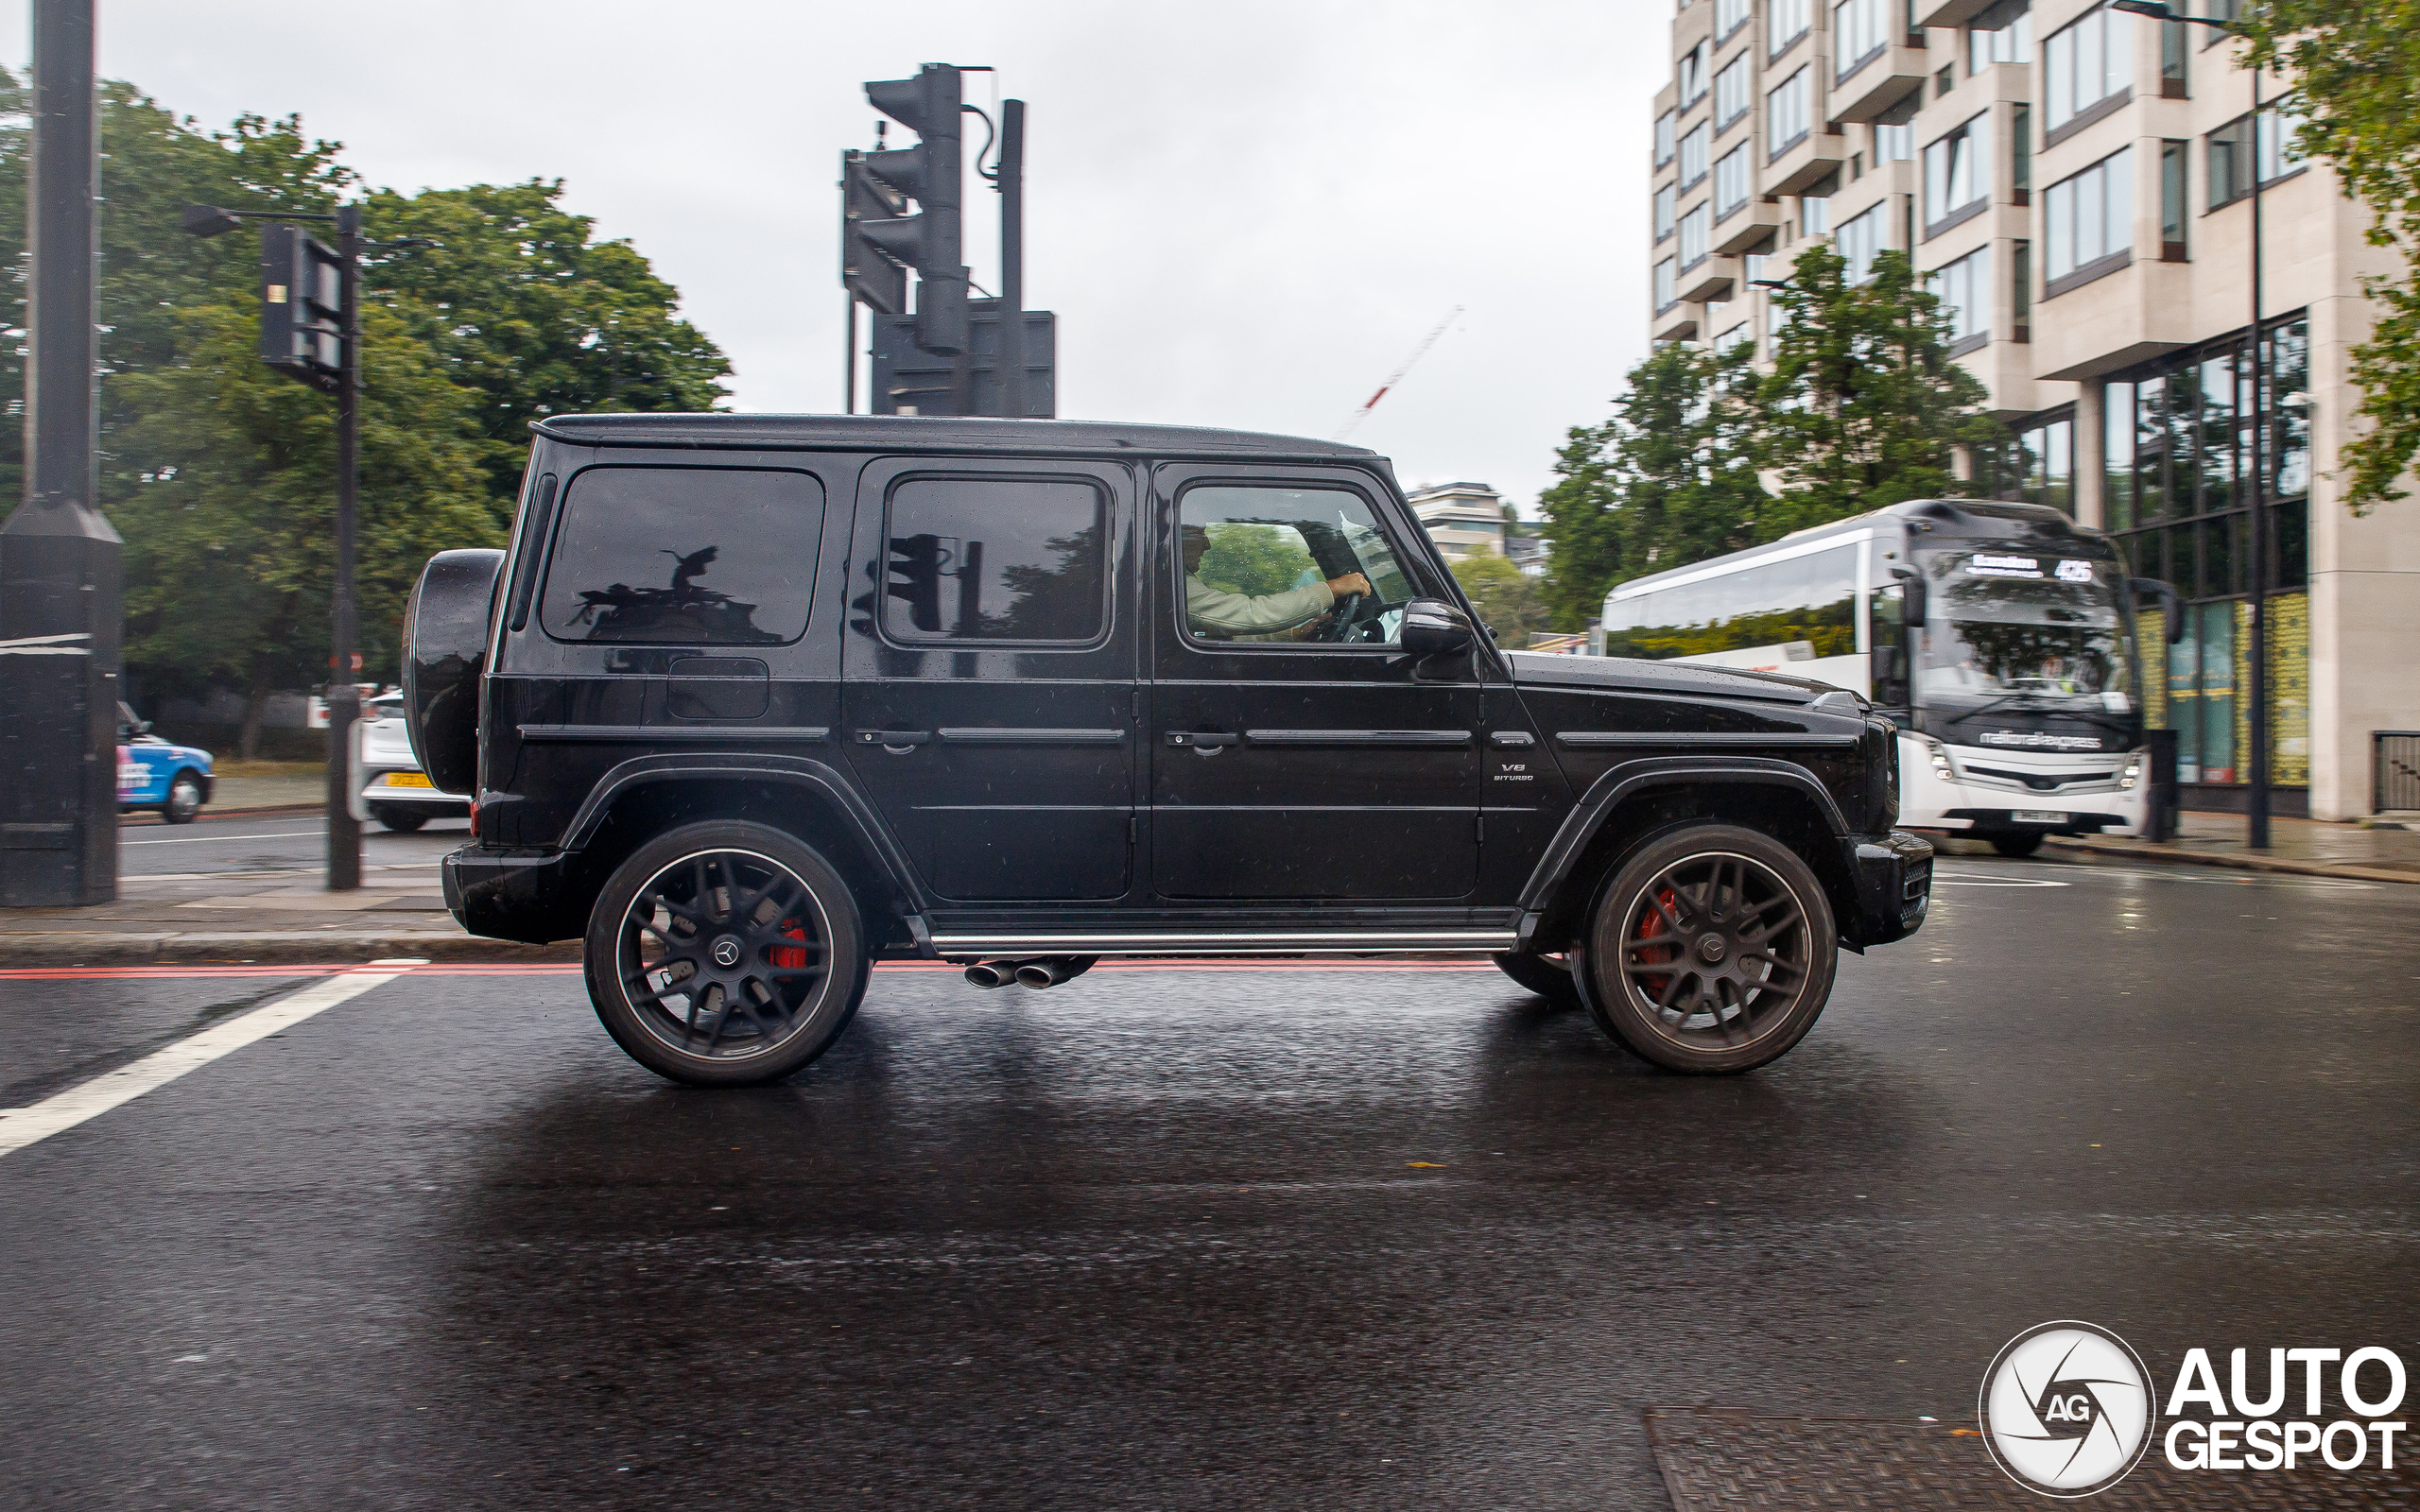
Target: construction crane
x,y
1353,419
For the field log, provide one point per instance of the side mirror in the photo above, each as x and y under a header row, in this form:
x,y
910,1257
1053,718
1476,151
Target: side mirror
x,y
2171,608
1431,626
1912,595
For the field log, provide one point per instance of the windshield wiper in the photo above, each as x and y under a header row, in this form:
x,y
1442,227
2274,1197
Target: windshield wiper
x,y
2091,716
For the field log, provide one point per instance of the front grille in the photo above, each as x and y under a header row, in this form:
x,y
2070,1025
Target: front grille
x,y
2040,781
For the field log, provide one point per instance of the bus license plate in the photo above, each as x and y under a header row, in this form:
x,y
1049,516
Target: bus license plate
x,y
2037,816
421,780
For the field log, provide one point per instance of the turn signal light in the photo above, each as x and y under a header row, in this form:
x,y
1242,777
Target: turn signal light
x,y
2133,773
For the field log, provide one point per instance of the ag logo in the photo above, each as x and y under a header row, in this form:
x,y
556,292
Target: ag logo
x,y
2067,1409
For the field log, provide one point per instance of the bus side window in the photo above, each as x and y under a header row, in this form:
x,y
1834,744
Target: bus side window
x,y
1890,652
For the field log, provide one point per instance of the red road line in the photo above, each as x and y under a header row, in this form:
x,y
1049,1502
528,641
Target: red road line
x,y
167,974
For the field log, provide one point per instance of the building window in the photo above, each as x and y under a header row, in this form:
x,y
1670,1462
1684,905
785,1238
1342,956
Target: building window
x,y
1964,288
1694,226
2171,61
1665,287
1729,16
1815,213
2229,154
2039,466
1861,29
1693,148
2003,34
1730,183
2088,62
2020,258
1786,119
1664,211
1894,132
2171,201
1693,72
1859,240
1736,335
1731,93
1958,172
1786,21
1664,139
2020,130
2090,217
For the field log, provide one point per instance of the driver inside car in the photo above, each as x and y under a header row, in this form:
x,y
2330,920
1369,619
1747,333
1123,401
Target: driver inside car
x,y
1223,614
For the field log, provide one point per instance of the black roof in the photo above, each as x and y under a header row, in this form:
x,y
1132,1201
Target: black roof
x,y
916,433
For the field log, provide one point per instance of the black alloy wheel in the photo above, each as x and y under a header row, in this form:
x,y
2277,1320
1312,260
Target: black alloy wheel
x,y
184,800
1711,950
2018,846
395,817
725,954
1549,976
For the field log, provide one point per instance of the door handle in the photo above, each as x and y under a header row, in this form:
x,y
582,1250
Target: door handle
x,y
1202,739
898,742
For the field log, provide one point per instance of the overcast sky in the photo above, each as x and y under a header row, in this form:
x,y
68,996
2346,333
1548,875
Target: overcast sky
x,y
1244,213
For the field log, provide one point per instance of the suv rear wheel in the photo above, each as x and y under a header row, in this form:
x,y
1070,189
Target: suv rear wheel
x,y
1711,950
725,954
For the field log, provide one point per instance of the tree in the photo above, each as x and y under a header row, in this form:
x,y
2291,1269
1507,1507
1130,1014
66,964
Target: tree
x,y
1864,406
2357,71
1505,597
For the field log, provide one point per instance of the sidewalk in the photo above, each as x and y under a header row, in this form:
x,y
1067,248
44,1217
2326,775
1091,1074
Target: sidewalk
x,y
2297,846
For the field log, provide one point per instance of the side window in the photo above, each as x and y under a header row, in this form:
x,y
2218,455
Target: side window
x,y
693,556
974,559
1300,565
1797,610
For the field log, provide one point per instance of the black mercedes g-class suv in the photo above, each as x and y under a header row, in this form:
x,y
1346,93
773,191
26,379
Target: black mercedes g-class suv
x,y
753,701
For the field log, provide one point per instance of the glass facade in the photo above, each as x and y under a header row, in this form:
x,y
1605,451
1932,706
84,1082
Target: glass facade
x,y
2178,442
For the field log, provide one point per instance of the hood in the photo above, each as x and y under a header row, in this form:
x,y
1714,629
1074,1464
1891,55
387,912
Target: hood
x,y
1537,669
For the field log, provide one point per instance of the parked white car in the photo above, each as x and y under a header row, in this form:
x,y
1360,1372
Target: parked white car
x,y
394,791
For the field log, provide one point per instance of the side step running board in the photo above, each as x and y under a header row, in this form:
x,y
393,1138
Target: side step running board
x,y
1288,942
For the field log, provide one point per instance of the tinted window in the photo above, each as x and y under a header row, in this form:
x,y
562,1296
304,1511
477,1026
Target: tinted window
x,y
1258,562
996,559
692,554
1800,609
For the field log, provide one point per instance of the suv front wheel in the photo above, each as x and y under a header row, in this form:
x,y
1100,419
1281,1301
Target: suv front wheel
x,y
725,954
1711,950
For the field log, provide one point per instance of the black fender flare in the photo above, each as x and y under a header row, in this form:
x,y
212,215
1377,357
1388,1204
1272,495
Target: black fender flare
x,y
797,771
1629,779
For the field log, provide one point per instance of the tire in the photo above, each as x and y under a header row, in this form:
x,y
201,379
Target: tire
x,y
679,909
402,821
1746,984
2017,847
1549,976
183,803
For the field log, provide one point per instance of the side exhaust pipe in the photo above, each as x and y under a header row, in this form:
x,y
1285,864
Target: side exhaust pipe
x,y
1049,971
991,973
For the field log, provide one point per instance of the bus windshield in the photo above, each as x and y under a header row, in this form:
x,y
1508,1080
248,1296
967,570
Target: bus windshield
x,y
2025,629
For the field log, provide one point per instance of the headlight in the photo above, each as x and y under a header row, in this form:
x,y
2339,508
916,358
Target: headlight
x,y
1941,767
2133,773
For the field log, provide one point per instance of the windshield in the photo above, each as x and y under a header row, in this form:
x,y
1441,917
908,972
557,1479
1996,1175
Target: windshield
x,y
2026,629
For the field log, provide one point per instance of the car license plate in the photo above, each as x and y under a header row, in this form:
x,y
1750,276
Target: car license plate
x,y
2021,816
421,780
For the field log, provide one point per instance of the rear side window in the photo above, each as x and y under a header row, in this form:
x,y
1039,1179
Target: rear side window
x,y
693,555
996,559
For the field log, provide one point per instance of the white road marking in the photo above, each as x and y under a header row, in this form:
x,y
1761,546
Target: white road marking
x,y
21,1126
205,840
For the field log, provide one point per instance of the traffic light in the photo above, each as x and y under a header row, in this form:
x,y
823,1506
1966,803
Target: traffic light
x,y
928,173
872,275
302,307
915,575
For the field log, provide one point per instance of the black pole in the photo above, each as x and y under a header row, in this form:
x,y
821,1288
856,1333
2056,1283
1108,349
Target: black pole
x,y
2257,837
344,691
58,557
1012,184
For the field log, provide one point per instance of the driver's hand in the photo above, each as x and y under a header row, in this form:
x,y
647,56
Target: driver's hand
x,y
1349,583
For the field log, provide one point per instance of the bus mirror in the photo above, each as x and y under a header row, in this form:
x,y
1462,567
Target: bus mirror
x,y
1911,596
2171,608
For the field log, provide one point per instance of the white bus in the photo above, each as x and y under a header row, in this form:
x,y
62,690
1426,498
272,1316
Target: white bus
x,y
1999,637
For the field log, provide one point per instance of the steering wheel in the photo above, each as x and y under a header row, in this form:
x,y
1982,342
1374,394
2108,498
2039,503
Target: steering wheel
x,y
1340,618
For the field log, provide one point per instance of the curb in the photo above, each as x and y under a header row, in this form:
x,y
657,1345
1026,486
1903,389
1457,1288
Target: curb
x,y
2146,851
182,948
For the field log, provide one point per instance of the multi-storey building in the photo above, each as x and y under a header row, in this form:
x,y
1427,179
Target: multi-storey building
x,y
2077,181
1464,519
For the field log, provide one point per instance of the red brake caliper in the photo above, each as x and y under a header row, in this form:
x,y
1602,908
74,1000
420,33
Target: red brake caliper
x,y
1652,926
785,956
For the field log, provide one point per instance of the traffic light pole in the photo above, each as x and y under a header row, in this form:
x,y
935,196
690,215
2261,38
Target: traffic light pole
x,y
345,689
58,557
1011,186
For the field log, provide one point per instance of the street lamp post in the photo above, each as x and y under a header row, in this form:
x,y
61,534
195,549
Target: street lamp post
x,y
2257,795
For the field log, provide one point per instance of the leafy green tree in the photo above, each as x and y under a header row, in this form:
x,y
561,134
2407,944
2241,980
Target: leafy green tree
x,y
1863,406
1505,597
1256,560
2357,73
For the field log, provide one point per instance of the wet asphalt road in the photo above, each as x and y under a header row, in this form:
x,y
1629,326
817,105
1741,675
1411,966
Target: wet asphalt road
x,y
236,842
1335,1236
